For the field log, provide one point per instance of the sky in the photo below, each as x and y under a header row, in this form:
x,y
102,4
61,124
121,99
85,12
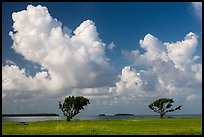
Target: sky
x,y
121,56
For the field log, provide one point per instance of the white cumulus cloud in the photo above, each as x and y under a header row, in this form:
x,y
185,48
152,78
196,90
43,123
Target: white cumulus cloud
x,y
181,52
77,61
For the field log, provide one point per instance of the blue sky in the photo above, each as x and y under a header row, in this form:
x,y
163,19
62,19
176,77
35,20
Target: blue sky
x,y
123,24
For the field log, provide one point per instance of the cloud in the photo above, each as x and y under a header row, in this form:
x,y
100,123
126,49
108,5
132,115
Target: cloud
x,y
111,46
181,52
197,8
193,98
132,54
196,58
77,61
178,55
128,84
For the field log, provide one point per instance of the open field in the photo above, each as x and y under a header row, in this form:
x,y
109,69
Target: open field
x,y
147,126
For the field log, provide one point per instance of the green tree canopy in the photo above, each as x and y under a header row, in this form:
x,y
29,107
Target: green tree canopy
x,y
162,106
72,106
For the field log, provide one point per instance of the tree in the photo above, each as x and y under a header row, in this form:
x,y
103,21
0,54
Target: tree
x,y
72,106
162,106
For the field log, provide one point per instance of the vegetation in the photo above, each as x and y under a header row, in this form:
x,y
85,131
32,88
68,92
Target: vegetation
x,y
146,126
39,114
162,106
72,106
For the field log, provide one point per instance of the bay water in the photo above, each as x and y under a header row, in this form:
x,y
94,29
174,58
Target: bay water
x,y
89,117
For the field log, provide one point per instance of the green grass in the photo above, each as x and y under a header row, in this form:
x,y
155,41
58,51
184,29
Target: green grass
x,y
147,126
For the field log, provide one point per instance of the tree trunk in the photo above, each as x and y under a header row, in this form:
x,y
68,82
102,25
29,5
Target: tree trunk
x,y
68,119
162,115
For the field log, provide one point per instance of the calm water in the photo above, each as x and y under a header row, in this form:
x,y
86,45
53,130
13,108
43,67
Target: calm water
x,y
107,117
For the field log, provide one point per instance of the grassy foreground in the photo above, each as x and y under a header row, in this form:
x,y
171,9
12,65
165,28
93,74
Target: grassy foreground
x,y
147,126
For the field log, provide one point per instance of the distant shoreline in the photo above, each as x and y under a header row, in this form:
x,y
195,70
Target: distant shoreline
x,y
39,114
123,114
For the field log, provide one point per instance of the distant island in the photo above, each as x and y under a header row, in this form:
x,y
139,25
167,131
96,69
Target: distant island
x,y
123,114
102,115
37,114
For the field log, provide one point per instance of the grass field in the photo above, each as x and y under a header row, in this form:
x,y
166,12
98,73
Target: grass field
x,y
147,126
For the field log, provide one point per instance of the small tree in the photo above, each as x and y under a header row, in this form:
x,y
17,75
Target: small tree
x,y
72,106
162,106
